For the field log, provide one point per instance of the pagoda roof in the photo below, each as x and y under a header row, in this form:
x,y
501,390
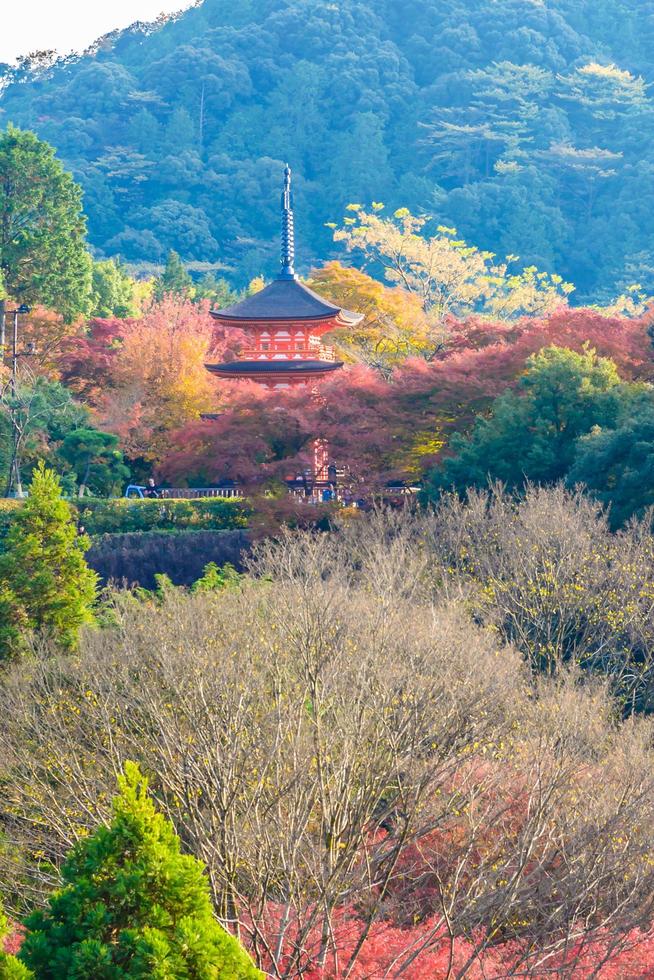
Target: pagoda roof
x,y
287,366
286,299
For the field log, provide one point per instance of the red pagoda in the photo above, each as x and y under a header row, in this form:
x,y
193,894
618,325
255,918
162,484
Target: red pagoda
x,y
285,322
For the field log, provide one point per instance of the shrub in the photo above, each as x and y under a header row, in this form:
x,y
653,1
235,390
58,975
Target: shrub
x,y
215,579
10,967
546,572
354,758
271,514
121,516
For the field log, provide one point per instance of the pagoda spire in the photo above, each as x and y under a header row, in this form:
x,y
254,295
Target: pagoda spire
x,y
288,233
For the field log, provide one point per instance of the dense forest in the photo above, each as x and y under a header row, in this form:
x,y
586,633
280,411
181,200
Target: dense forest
x,y
525,124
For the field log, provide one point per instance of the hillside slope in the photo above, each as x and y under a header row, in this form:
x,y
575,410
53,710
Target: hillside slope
x,y
527,124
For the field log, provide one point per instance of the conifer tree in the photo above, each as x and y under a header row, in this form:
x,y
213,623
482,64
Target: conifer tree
x,y
132,906
44,577
174,279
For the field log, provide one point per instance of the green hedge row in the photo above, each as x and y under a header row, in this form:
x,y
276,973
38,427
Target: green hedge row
x,y
121,516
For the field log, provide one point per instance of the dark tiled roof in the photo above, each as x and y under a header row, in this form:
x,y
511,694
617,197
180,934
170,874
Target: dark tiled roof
x,y
284,299
295,366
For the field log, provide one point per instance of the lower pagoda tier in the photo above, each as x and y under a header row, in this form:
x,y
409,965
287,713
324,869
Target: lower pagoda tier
x,y
276,373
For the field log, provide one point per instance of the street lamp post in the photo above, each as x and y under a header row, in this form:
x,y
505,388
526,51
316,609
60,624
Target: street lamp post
x,y
14,481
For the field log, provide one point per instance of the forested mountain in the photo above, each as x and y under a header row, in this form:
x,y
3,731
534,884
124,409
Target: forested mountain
x,y
526,124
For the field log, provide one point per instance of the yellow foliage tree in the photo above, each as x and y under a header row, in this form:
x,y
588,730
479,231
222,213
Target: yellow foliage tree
x,y
395,325
448,276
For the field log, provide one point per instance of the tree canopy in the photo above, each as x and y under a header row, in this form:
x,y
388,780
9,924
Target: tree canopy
x,y
526,126
617,465
43,255
45,583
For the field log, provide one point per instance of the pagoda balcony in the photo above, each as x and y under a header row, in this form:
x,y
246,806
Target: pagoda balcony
x,y
292,352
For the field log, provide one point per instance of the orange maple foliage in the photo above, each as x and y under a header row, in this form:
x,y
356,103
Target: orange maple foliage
x,y
158,377
45,335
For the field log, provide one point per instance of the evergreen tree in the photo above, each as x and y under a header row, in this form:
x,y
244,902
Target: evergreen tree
x,y
144,131
174,279
217,291
132,906
44,577
179,130
532,434
95,459
617,465
13,623
43,256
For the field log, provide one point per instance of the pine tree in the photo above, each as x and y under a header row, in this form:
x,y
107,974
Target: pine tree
x,y
174,279
132,906
95,459
13,623
44,577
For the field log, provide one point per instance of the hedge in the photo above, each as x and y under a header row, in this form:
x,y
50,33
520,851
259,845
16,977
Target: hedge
x,y
121,516
135,559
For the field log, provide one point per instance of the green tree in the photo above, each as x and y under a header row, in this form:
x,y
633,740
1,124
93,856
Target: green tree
x,y
10,967
617,465
95,459
360,161
144,131
180,134
14,624
132,906
174,279
217,578
531,433
43,574
43,256
216,290
113,291
38,413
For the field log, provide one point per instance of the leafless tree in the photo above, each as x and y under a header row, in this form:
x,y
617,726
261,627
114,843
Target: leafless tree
x,y
343,746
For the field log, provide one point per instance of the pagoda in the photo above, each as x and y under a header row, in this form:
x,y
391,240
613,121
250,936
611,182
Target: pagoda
x,y
284,322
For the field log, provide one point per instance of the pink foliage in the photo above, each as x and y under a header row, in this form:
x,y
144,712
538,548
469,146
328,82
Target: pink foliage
x,y
382,429
428,951
13,940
